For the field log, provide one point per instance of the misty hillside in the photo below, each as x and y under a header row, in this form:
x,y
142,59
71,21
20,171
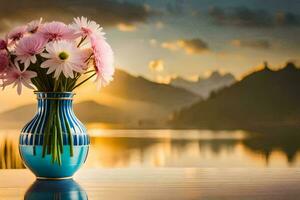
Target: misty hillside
x,y
204,86
138,88
87,111
263,98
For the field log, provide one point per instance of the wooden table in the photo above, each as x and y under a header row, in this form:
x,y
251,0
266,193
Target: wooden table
x,y
164,184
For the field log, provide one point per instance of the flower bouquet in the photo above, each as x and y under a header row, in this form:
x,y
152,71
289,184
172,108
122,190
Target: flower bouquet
x,y
53,59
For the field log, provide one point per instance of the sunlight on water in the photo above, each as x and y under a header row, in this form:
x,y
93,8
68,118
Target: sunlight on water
x,y
170,134
172,148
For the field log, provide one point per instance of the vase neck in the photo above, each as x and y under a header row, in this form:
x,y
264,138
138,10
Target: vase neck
x,y
55,95
49,99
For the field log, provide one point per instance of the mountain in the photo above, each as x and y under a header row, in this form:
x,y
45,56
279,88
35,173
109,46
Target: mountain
x,y
98,113
204,87
128,100
138,88
142,100
264,98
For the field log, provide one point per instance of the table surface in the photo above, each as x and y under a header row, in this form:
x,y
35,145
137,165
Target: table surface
x,y
162,184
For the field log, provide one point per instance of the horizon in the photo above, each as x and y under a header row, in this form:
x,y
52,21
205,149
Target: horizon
x,y
29,97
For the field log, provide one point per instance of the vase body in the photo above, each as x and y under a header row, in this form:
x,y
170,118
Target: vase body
x,y
32,138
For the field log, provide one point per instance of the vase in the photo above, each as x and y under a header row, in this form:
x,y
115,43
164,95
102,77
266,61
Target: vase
x,y
74,139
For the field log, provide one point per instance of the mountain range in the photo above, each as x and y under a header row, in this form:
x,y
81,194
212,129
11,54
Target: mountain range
x,y
128,100
265,98
140,89
204,86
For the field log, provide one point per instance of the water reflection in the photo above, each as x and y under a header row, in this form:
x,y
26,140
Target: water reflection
x,y
52,190
9,154
180,148
267,142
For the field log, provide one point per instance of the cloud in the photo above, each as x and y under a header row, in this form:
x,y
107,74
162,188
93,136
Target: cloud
x,y
190,46
157,65
126,27
106,12
193,46
153,42
173,46
159,25
176,7
165,79
257,44
245,17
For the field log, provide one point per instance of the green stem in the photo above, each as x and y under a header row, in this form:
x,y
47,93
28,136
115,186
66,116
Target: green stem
x,y
70,138
59,155
46,142
88,58
82,82
44,79
56,84
38,85
73,81
59,148
65,84
60,132
54,143
89,71
81,41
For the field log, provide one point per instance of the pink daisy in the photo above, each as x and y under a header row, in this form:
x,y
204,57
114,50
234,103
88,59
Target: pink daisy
x,y
17,77
28,48
103,61
86,28
3,61
57,31
3,44
17,33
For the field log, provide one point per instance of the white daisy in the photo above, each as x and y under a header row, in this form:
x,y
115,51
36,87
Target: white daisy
x,y
33,26
86,27
63,57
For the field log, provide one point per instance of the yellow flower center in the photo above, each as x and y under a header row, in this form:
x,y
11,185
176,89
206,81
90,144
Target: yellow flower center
x,y
63,55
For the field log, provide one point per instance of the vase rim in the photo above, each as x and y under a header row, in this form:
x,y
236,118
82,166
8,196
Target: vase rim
x,y
54,95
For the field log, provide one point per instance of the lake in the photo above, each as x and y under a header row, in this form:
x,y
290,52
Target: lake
x,y
177,149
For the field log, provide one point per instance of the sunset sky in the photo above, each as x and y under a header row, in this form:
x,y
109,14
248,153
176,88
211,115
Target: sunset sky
x,y
160,39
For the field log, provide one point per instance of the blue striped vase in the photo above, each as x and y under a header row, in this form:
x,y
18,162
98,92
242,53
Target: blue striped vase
x,y
32,138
